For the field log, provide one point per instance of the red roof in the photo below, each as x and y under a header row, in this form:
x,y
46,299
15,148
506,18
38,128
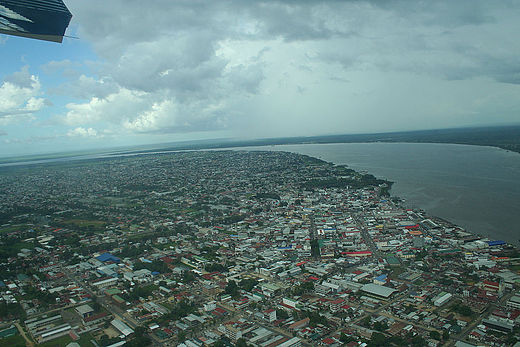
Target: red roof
x,y
94,317
220,310
167,260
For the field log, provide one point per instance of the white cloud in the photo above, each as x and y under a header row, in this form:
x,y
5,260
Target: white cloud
x,y
19,97
159,115
82,132
112,109
272,67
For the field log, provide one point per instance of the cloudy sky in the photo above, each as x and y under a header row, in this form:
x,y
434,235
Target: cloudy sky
x,y
173,70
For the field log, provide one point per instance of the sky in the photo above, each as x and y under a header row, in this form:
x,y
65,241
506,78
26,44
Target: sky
x,y
144,72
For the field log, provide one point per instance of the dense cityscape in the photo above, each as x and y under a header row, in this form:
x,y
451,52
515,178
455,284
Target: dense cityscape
x,y
235,248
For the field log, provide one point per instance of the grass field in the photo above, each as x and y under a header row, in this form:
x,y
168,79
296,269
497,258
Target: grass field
x,y
11,228
84,223
63,341
13,341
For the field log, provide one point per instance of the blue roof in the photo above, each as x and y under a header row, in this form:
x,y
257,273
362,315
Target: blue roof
x,y
108,257
496,243
380,278
155,273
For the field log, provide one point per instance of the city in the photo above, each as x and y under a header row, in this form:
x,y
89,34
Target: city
x,y
235,248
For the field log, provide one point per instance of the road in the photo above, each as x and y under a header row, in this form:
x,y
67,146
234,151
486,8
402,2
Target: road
x,y
470,327
366,237
312,235
28,341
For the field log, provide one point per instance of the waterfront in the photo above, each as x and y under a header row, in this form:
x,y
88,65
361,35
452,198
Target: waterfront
x,y
475,187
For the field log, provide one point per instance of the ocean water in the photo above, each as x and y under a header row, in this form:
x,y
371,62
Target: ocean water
x,y
475,187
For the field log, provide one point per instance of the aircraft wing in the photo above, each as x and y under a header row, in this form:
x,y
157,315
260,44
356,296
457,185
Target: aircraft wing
x,y
38,19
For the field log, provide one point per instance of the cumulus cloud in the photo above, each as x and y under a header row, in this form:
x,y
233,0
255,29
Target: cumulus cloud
x,y
19,96
82,132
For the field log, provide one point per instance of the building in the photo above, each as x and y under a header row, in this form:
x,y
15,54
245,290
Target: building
x,y
335,305
441,299
85,311
294,342
498,325
300,324
377,291
122,327
105,283
380,280
514,302
270,315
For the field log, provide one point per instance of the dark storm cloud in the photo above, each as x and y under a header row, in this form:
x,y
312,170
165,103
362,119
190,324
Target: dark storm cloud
x,y
179,66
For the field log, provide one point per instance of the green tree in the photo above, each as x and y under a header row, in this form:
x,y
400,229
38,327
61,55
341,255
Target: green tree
x,y
377,340
182,336
445,335
232,289
435,335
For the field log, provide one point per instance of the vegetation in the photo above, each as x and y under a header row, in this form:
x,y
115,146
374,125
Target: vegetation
x,y
248,284
361,181
281,314
435,335
154,266
315,318
140,292
315,248
180,310
462,310
140,338
215,267
13,341
10,311
232,289
303,288
267,196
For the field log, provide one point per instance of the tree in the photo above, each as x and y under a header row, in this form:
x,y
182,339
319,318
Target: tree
x,y
345,338
380,326
445,335
248,284
435,335
377,340
241,343
140,338
232,289
282,314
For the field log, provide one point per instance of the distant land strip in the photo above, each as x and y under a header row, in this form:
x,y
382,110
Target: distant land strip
x,y
505,137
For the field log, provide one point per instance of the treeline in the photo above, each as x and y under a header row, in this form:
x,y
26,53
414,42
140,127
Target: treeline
x,y
363,181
